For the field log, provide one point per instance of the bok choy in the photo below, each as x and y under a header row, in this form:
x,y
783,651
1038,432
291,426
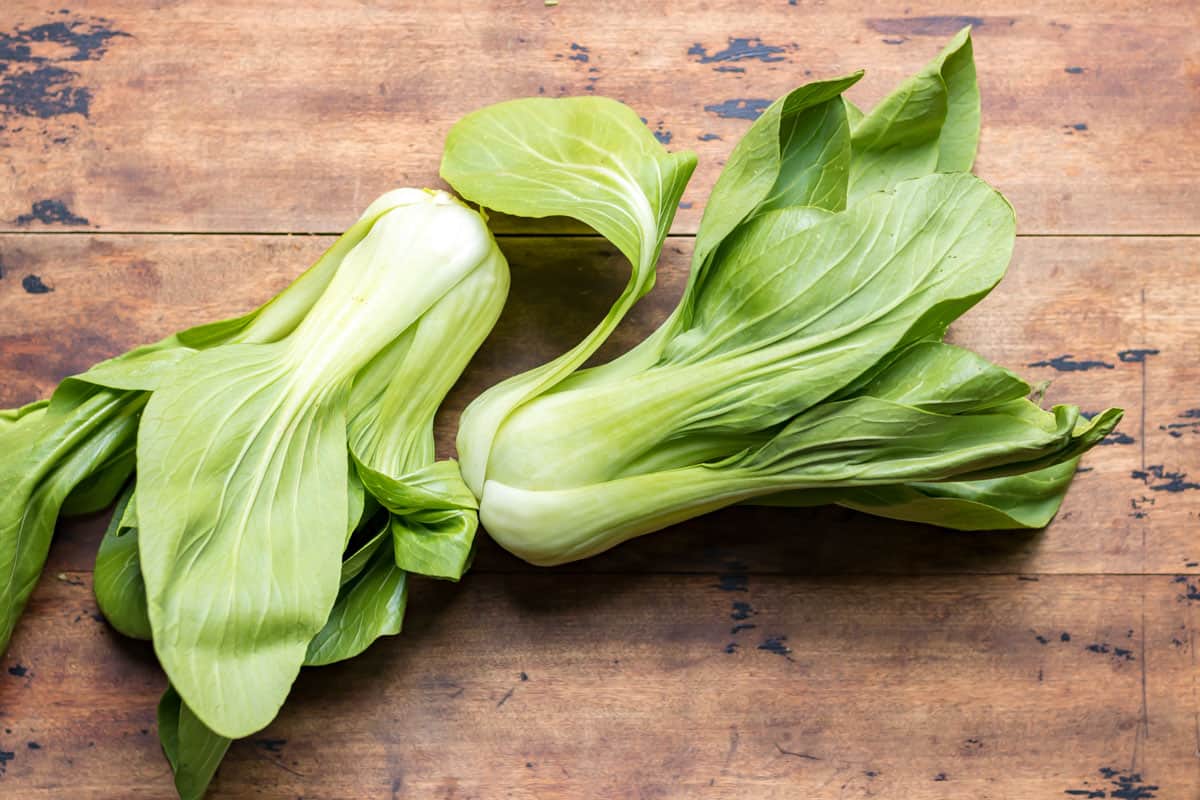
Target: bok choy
x,y
804,363
286,481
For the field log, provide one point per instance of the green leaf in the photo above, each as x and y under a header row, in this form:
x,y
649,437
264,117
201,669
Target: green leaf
x,y
117,581
1027,500
368,606
789,314
930,123
438,544
588,158
46,456
242,522
193,751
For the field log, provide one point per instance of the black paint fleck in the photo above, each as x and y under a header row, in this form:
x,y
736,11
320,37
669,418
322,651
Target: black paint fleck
x,y
1159,479
775,644
33,745
1067,363
49,212
739,108
5,757
708,137
738,49
1074,70
33,285
743,626
1066,637
270,745
1117,437
1136,356
40,86
731,647
18,670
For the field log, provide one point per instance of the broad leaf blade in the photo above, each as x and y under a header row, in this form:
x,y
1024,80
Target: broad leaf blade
x,y
193,751
117,581
587,158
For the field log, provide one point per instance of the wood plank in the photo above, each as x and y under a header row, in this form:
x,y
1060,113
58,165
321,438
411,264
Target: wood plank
x,y
274,116
614,686
1073,303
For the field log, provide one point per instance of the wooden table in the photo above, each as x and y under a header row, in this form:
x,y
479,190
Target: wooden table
x,y
167,163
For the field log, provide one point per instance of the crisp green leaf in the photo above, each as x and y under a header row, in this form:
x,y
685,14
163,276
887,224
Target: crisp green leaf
x,y
368,606
438,544
588,158
930,123
47,456
117,579
193,751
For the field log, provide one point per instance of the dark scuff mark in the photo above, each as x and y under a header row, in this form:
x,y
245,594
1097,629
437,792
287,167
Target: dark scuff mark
x,y
1117,652
1041,676
709,137
727,68
49,212
794,754
505,698
934,25
731,648
1121,652
1030,578
579,53
1077,126
1042,639
741,611
1074,70
18,670
1136,356
270,745
1084,469
775,644
941,776
5,757
1158,479
34,85
739,108
738,49
1067,363
523,677
975,744
733,583
1066,637
1128,786
686,206
33,745
663,136
743,626
871,773
33,285
1098,648
900,40
1116,437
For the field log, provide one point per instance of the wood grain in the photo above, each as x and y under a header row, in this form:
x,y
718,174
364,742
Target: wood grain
x,y
618,686
1074,303
274,116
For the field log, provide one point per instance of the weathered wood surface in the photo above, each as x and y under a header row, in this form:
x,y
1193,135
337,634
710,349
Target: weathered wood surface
x,y
290,116
617,686
886,660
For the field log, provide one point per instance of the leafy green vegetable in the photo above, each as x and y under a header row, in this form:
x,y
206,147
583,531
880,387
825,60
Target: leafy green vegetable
x,y
243,496
803,361
117,578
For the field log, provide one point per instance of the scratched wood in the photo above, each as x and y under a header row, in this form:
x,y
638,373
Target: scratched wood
x,y
616,686
886,659
1070,302
290,116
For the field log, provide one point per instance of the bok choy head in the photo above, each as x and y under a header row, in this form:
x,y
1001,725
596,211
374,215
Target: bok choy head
x,y
804,359
253,458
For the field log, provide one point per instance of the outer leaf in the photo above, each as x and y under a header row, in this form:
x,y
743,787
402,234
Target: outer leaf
x,y
589,158
929,123
117,580
369,606
861,442
242,523
1016,501
193,751
47,458
438,544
